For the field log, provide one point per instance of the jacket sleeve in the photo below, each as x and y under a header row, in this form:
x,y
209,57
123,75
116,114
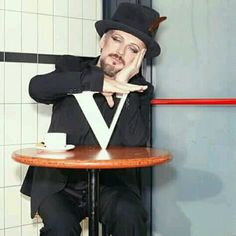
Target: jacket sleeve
x,y
134,119
48,88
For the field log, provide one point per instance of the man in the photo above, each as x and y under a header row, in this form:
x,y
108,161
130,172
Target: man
x,y
60,196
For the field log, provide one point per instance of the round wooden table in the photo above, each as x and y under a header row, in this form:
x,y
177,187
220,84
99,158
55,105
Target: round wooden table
x,y
93,159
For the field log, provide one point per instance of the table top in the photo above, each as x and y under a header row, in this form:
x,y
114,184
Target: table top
x,y
93,157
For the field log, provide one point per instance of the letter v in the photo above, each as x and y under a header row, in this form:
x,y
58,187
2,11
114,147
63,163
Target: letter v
x,y
95,119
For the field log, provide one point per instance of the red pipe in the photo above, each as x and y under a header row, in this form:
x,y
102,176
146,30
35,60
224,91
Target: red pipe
x,y
194,101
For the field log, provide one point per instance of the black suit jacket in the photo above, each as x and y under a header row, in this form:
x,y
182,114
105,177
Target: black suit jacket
x,y
75,75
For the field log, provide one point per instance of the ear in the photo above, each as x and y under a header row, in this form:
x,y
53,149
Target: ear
x,y
102,41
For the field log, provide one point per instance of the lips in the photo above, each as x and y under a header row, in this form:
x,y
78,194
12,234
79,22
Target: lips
x,y
116,59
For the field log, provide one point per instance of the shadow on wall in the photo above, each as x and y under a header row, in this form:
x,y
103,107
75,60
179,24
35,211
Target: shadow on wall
x,y
172,186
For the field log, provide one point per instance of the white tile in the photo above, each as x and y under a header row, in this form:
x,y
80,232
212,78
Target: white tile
x,y
98,47
1,167
99,9
45,7
60,35
13,231
12,82
44,119
12,207
61,7
1,208
12,168
89,35
30,230
29,5
29,32
29,70
12,31
45,68
1,30
26,146
12,124
29,123
25,214
13,5
24,168
90,9
1,83
75,37
26,209
45,34
1,124
2,4
76,8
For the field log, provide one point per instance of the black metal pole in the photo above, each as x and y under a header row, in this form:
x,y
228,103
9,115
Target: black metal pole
x,y
93,201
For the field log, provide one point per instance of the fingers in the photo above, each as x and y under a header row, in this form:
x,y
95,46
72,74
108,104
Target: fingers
x,y
137,62
134,87
141,56
114,86
109,99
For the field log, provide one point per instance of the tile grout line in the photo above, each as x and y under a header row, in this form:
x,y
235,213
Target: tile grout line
x,y
53,26
82,51
4,161
45,14
21,220
38,234
68,5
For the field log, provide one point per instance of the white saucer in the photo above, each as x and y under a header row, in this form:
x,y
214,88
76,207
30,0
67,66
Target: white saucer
x,y
66,148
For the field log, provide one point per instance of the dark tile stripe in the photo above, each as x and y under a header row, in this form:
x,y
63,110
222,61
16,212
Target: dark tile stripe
x,y
20,57
28,57
1,56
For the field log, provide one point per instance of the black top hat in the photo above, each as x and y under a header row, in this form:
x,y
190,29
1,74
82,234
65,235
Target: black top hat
x,y
140,21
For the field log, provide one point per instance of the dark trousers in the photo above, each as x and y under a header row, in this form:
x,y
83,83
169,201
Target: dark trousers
x,y
120,210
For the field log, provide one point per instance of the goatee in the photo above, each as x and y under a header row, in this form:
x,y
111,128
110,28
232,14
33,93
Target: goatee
x,y
108,69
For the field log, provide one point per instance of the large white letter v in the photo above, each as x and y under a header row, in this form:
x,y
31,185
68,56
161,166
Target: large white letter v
x,y
95,119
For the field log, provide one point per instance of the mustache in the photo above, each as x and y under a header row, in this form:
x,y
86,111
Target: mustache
x,y
117,57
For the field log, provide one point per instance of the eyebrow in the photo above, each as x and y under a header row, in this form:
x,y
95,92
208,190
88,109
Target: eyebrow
x,y
133,44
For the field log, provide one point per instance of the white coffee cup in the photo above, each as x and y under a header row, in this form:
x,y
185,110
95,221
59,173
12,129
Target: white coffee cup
x,y
55,140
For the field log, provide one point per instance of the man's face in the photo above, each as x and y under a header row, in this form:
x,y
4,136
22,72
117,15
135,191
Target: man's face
x,y
118,50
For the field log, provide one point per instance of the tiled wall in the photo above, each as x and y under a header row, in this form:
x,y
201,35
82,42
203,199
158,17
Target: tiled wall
x,y
39,27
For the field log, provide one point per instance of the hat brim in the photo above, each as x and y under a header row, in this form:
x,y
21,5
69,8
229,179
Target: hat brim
x,y
153,48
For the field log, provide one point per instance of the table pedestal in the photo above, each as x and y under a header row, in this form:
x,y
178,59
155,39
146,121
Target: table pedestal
x,y
93,201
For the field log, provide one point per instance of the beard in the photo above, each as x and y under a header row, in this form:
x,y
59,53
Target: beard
x,y
109,70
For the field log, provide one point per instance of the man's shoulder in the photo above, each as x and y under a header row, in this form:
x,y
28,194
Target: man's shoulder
x,y
71,63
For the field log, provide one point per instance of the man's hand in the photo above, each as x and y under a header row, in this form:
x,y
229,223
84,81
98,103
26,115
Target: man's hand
x,y
128,72
111,86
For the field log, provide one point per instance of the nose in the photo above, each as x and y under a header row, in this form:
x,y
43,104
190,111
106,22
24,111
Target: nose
x,y
121,50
